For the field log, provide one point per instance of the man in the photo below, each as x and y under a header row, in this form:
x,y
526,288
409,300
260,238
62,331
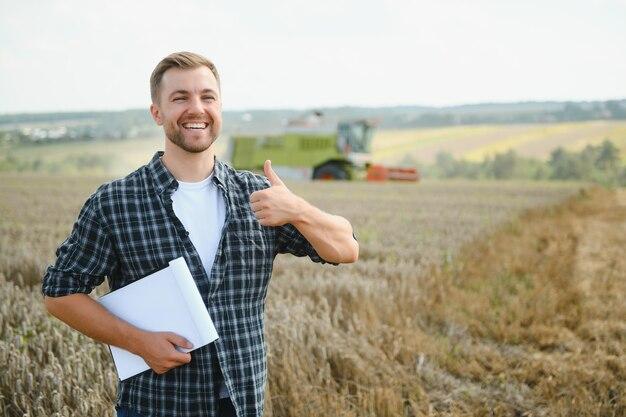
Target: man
x,y
228,225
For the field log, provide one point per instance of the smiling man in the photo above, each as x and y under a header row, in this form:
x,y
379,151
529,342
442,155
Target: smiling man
x,y
228,225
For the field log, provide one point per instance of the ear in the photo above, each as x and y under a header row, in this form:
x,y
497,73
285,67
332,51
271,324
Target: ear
x,y
156,114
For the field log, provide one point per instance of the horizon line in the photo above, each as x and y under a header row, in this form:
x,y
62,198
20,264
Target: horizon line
x,y
307,108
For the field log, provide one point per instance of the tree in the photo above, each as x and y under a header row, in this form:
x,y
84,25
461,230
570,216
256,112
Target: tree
x,y
504,165
559,162
446,165
608,156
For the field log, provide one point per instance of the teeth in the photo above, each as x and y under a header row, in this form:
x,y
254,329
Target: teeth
x,y
194,125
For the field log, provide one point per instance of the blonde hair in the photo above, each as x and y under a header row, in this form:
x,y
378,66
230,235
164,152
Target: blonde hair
x,y
182,60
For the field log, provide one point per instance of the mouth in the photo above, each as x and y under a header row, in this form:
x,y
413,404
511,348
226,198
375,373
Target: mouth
x,y
195,125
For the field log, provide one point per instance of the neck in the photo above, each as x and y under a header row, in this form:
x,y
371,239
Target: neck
x,y
187,166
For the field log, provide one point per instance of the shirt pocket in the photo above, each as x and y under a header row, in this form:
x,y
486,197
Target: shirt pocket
x,y
251,263
252,248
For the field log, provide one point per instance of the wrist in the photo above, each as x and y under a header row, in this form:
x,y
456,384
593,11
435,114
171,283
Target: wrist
x,y
302,212
135,339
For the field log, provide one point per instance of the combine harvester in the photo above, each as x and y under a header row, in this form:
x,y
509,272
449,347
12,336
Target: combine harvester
x,y
305,151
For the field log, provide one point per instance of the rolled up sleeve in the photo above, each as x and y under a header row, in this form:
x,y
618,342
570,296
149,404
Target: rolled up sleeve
x,y
290,240
84,258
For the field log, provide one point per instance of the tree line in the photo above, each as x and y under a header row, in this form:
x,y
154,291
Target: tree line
x,y
564,112
596,163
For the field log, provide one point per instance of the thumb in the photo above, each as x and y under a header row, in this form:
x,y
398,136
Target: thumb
x,y
270,174
179,340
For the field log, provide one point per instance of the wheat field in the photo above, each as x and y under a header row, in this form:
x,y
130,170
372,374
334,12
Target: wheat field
x,y
476,142
469,298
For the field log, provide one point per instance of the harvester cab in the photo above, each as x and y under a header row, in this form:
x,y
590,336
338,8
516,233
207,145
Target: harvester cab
x,y
354,140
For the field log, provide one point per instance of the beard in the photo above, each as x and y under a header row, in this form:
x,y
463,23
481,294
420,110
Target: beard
x,y
177,138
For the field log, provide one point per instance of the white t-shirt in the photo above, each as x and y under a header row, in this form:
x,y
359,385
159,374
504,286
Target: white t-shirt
x,y
201,209
200,206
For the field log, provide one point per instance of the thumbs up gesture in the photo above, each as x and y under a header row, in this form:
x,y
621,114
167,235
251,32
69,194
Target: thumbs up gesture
x,y
276,205
271,175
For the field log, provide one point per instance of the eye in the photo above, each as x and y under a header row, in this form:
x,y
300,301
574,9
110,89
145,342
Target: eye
x,y
179,98
208,98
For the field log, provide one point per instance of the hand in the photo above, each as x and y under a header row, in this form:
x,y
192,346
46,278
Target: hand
x,y
276,205
158,349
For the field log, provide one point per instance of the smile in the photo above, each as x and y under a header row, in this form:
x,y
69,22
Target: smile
x,y
195,125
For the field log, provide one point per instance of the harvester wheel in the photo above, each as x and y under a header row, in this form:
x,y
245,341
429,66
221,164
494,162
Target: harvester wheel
x,y
330,172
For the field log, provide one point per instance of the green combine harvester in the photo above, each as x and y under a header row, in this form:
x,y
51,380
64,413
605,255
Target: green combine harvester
x,y
305,152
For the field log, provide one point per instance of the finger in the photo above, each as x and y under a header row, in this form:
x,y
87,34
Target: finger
x,y
255,196
270,174
266,221
180,357
256,206
178,340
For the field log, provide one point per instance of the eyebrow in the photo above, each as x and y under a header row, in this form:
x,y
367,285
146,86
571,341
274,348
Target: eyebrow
x,y
206,90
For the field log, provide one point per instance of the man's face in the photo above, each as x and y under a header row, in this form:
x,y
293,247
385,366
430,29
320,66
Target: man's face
x,y
189,108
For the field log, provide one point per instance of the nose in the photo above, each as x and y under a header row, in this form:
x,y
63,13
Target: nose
x,y
195,105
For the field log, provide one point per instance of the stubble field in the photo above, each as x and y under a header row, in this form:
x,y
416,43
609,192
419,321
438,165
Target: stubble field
x,y
463,302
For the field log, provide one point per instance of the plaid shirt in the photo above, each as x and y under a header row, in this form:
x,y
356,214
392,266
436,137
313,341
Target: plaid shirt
x,y
127,229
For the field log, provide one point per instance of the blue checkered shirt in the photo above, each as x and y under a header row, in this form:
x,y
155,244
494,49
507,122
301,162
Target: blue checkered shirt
x,y
127,229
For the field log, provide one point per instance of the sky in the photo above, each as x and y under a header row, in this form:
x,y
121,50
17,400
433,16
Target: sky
x,y
75,55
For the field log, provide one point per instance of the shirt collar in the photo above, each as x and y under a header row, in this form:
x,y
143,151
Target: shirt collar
x,y
164,180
